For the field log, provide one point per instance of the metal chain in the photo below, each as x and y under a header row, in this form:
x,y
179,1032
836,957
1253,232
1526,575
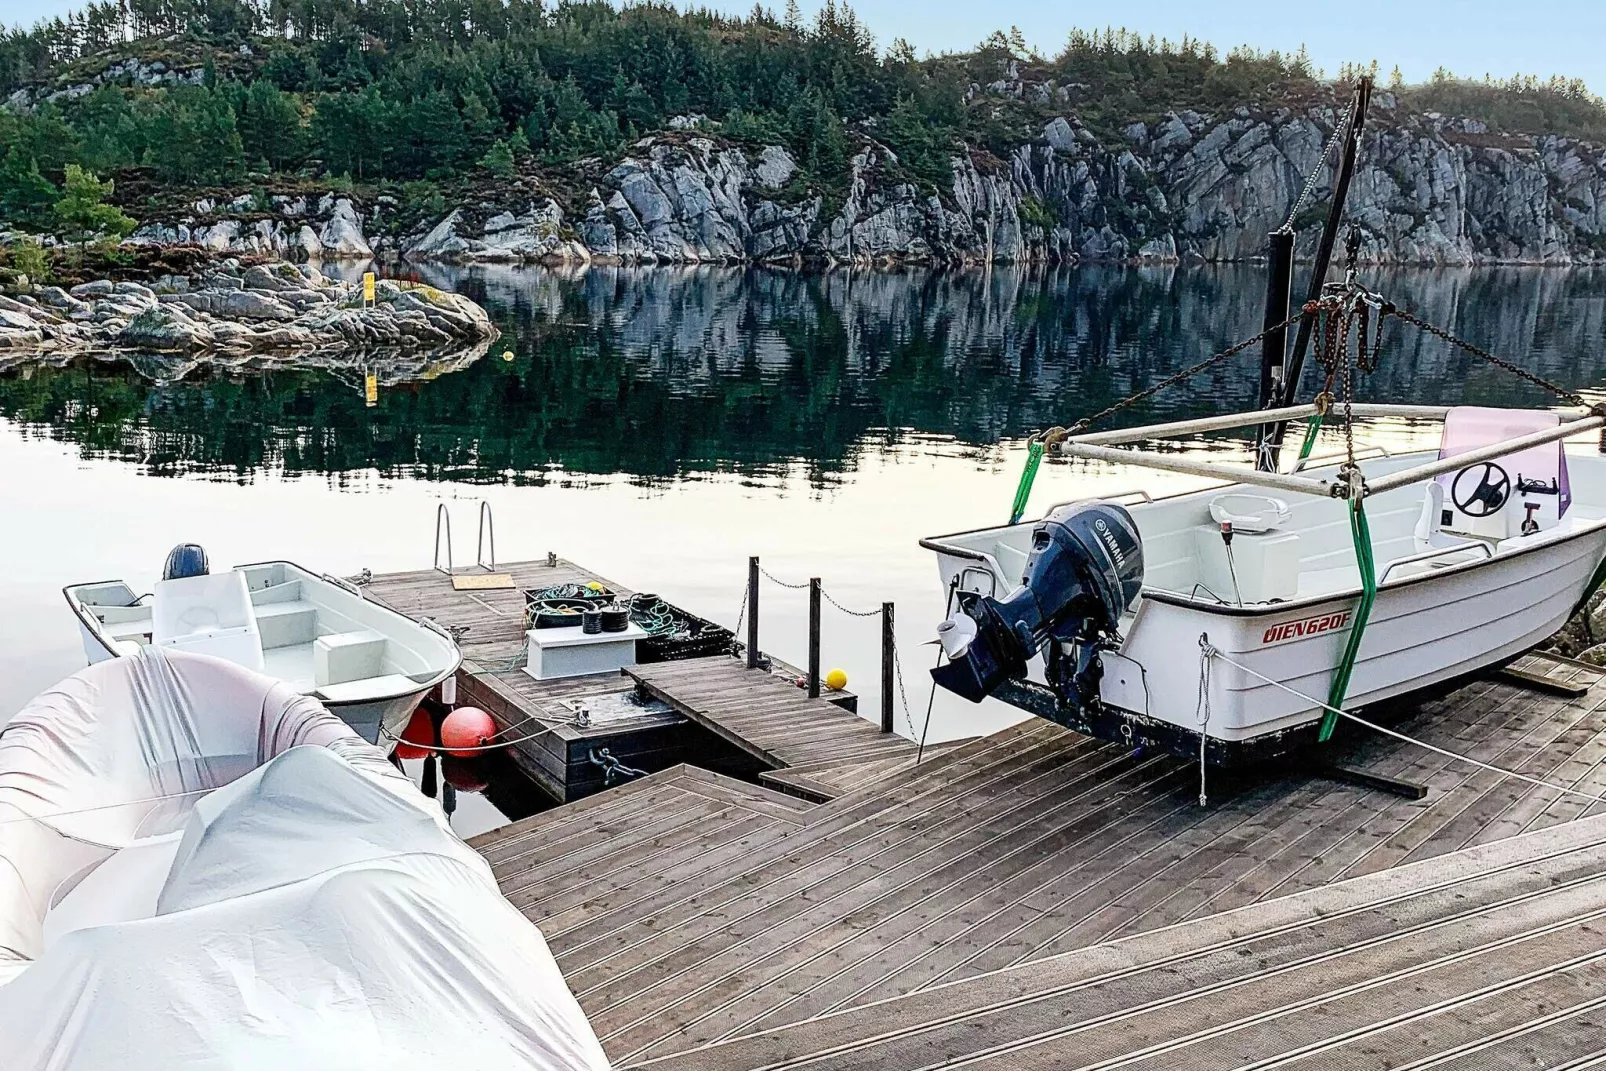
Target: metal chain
x,y
903,696
1478,351
844,609
777,580
1187,373
1316,169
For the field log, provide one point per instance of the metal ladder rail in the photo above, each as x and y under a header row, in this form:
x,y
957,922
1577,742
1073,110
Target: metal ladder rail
x,y
443,515
487,527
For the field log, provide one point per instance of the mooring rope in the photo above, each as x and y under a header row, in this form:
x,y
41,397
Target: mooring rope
x,y
105,806
1213,652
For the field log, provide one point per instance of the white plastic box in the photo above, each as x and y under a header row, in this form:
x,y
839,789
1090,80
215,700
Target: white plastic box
x,y
571,652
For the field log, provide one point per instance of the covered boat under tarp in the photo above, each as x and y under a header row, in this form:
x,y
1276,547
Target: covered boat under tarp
x,y
200,867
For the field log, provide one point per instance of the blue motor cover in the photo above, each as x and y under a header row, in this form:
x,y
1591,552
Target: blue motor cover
x,y
186,559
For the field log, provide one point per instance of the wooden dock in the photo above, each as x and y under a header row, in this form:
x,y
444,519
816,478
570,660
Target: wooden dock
x,y
1040,899
568,759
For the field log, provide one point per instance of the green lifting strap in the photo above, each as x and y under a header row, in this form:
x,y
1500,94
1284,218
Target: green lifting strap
x,y
1311,431
1034,458
1361,533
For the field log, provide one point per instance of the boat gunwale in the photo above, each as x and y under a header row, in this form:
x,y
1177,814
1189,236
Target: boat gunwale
x,y
1175,598
93,626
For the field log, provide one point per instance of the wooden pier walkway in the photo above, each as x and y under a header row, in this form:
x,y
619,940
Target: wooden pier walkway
x,y
757,932
699,701
800,741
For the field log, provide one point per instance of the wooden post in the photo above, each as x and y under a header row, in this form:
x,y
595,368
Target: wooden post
x,y
814,637
752,612
889,652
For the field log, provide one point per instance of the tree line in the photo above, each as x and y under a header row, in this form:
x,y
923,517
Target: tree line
x,y
435,90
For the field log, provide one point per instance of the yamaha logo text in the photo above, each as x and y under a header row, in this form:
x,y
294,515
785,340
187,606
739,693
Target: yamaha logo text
x,y
1310,626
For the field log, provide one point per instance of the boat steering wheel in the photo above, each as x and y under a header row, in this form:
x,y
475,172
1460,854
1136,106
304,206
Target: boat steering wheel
x,y
1487,496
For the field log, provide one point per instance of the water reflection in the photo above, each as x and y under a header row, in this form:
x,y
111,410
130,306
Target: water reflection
x,y
664,374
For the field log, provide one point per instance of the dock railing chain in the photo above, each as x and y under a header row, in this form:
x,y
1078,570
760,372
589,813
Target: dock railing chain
x,y
891,664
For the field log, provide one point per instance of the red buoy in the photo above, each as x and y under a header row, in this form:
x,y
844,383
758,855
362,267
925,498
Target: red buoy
x,y
420,730
465,728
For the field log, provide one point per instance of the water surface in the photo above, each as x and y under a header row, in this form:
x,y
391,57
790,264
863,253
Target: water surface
x,y
660,425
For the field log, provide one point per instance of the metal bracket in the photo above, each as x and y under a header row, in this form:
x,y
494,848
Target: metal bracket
x,y
1409,790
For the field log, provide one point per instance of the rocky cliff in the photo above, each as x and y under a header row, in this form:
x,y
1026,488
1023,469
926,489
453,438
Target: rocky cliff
x,y
1188,187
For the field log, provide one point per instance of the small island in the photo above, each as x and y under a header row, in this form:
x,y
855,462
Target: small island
x,y
231,308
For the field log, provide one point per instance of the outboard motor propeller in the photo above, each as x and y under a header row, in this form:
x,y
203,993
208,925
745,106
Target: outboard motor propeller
x,y
186,559
1085,569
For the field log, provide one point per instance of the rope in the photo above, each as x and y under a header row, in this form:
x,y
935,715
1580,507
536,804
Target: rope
x,y
1360,529
1023,491
1202,706
1212,652
545,728
104,807
1312,430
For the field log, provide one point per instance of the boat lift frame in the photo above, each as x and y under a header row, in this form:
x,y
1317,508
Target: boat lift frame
x,y
1101,446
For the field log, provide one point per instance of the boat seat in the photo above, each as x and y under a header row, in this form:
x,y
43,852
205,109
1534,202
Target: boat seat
x,y
368,688
287,624
1249,513
342,657
207,614
1428,533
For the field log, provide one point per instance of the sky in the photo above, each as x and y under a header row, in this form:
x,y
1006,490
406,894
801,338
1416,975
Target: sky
x,y
1471,37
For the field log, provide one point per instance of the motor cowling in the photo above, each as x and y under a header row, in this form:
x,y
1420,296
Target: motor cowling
x,y
184,560
1084,570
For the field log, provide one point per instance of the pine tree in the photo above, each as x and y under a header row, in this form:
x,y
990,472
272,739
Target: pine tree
x,y
26,196
83,211
498,160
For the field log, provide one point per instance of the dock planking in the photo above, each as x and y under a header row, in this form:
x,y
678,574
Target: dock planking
x,y
765,714
999,855
1037,898
566,758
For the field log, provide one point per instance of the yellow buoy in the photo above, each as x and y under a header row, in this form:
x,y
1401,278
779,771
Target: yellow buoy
x,y
593,586
836,680
507,355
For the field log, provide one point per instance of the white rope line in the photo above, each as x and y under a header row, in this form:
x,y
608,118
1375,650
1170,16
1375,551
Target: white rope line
x,y
103,807
1212,652
545,728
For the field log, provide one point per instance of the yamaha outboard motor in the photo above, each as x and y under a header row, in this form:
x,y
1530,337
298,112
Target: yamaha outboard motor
x,y
1085,569
186,559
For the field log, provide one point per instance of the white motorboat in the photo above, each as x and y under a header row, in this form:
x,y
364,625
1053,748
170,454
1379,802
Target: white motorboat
x,y
316,632
1097,615
200,867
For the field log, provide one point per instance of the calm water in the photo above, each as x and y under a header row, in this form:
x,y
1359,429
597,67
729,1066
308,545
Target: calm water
x,y
661,425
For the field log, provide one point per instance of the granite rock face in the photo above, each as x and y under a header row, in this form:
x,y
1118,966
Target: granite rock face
x,y
272,308
1431,190
1186,186
330,229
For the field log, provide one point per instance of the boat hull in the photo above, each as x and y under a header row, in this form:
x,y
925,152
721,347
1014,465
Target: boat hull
x,y
378,721
1440,616
378,718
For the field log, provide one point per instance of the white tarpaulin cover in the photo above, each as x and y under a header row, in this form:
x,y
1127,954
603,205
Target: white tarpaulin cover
x,y
315,913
